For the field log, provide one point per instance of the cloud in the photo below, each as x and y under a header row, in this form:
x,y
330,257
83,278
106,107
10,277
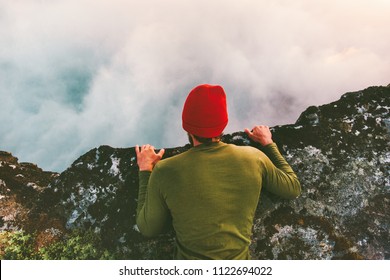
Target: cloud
x,y
77,74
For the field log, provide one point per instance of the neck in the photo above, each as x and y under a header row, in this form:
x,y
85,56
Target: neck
x,y
195,142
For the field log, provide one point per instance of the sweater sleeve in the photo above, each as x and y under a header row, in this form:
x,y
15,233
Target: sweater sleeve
x,y
152,212
280,179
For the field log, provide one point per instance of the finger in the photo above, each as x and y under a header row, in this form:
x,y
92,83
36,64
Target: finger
x,y
161,153
137,150
248,132
146,147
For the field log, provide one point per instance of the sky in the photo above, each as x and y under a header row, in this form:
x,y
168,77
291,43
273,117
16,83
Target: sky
x,y
77,74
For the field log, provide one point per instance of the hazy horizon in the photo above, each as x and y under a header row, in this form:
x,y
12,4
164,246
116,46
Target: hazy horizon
x,y
77,74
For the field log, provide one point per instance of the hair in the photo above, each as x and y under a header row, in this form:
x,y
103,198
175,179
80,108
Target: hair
x,y
204,140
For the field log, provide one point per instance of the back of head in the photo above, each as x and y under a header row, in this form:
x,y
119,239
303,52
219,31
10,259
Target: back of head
x,y
205,111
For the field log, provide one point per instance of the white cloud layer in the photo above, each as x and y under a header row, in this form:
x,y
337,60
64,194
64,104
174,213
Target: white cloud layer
x,y
76,74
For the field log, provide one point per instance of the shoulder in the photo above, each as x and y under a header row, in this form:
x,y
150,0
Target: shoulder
x,y
249,150
171,162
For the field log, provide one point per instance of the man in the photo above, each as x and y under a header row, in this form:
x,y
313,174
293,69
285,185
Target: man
x,y
210,192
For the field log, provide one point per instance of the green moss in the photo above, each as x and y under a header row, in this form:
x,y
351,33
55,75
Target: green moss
x,y
78,245
18,246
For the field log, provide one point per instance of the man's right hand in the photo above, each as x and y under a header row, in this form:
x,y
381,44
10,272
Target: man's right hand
x,y
260,134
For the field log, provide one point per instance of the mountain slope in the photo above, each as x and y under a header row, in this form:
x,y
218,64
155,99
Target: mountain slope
x,y
340,151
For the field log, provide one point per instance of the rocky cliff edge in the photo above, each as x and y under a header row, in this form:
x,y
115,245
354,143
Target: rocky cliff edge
x,y
340,151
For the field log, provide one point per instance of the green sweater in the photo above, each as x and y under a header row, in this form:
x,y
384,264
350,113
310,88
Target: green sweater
x,y
211,193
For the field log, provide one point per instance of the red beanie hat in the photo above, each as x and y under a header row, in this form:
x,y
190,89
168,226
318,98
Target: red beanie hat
x,y
205,111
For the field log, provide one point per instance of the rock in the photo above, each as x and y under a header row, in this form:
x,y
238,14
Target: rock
x,y
340,151
21,188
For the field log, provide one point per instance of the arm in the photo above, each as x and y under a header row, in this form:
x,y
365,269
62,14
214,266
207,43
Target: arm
x,y
280,179
152,212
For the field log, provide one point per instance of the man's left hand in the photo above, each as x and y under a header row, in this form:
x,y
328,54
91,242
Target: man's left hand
x,y
147,157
